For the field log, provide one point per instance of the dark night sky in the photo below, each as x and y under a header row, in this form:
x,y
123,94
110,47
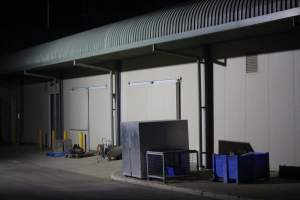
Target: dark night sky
x,y
24,23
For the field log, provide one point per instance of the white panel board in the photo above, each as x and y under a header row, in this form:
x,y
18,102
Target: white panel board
x,y
162,102
164,97
76,107
78,104
151,102
235,99
219,105
281,108
100,116
297,105
257,123
136,103
262,108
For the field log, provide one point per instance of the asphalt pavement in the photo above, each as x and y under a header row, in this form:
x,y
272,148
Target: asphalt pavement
x,y
25,175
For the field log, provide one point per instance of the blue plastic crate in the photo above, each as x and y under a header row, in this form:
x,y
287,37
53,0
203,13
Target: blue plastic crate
x,y
239,169
170,171
175,171
220,167
244,168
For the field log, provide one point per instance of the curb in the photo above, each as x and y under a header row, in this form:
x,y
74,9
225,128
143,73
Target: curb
x,y
190,191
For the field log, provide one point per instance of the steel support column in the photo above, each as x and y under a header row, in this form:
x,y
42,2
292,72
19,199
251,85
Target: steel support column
x,y
199,68
118,103
61,108
209,104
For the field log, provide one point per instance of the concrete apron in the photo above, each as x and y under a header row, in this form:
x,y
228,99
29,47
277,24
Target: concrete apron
x,y
117,176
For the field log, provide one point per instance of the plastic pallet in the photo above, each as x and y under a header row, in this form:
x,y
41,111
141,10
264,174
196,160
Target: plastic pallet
x,y
56,154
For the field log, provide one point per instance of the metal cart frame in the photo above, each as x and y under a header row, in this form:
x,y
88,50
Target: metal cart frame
x,y
163,154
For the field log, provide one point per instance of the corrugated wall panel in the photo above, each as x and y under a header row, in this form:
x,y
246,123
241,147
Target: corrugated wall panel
x,y
262,108
297,103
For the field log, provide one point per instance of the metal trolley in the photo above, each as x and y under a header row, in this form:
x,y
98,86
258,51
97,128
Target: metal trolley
x,y
169,164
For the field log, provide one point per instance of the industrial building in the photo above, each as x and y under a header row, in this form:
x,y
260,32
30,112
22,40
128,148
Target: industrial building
x,y
231,68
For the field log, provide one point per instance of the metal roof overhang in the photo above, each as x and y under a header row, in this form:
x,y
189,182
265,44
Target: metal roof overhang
x,y
121,42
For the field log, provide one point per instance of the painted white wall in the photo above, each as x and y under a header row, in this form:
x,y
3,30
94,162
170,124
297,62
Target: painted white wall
x,y
35,111
297,103
159,102
76,108
262,108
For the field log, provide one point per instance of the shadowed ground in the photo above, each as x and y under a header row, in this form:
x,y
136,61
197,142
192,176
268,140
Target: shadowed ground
x,y
24,174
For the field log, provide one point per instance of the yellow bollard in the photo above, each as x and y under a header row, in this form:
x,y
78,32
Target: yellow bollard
x,y
40,138
13,136
53,134
66,135
81,138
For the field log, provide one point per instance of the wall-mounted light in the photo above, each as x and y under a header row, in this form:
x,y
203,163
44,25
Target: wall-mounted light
x,y
98,87
167,81
139,83
79,88
154,82
94,87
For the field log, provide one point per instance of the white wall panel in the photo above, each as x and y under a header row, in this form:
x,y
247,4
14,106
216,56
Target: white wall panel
x,y
78,109
257,123
162,102
219,105
262,108
136,103
151,102
159,101
235,99
100,116
75,108
297,105
281,108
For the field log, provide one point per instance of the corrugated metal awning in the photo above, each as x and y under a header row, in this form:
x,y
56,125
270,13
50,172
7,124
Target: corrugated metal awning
x,y
191,20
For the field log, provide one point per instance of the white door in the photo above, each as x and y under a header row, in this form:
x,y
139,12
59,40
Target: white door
x,y
100,116
78,113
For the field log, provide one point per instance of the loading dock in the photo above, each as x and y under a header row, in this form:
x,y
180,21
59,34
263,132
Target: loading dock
x,y
239,29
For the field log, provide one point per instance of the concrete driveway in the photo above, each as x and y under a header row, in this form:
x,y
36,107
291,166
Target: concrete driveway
x,y
27,174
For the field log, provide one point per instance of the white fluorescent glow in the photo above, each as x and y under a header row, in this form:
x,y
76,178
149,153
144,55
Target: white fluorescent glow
x,y
98,87
79,88
155,82
139,83
94,87
167,81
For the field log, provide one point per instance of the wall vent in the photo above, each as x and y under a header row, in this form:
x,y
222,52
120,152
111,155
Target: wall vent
x,y
251,64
